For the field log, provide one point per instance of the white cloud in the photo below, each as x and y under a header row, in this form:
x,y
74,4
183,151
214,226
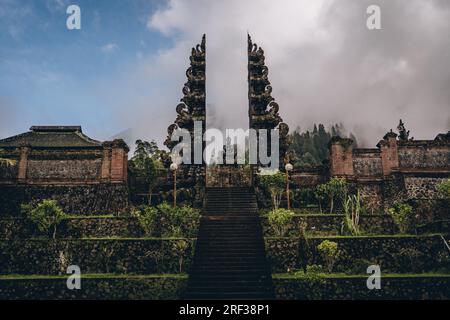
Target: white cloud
x,y
324,65
109,47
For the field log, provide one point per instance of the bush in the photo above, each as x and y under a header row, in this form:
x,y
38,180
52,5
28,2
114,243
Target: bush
x,y
185,218
314,268
329,250
148,218
279,220
444,189
276,185
402,215
46,215
359,266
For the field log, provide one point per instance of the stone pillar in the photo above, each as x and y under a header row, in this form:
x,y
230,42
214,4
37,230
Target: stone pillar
x,y
23,163
119,161
389,153
341,157
106,162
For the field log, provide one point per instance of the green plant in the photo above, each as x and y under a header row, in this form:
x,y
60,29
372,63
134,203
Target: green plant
x,y
279,220
47,215
146,161
444,188
401,214
184,217
275,184
359,266
352,206
147,217
320,194
314,268
329,250
180,247
313,281
334,190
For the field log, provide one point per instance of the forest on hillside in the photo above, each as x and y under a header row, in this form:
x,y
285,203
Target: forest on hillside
x,y
310,148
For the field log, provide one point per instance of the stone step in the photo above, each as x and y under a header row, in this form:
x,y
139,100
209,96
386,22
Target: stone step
x,y
230,260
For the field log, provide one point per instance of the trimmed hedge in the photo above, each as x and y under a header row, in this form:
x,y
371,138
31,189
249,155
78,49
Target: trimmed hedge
x,y
153,287
51,257
395,254
409,287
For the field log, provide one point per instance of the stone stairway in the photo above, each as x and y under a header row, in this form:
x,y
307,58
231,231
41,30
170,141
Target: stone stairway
x,y
230,260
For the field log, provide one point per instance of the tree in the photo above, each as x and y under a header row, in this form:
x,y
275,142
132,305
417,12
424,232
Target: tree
x,y
275,184
280,220
147,158
311,147
46,215
335,189
401,214
329,250
403,134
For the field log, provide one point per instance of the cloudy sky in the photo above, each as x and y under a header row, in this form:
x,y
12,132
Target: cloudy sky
x,y
126,66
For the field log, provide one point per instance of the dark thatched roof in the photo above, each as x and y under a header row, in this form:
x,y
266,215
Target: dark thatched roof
x,y
51,137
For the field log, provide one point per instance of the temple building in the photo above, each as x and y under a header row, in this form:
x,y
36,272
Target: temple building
x,y
60,162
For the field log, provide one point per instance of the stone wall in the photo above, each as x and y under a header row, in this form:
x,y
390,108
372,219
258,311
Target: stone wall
x,y
367,163
349,288
394,254
330,224
423,155
121,287
395,171
90,199
73,170
122,256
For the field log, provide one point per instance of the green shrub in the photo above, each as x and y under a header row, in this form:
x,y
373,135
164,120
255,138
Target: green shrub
x,y
279,220
276,185
148,218
184,217
444,189
315,268
401,214
359,266
329,250
47,215
313,281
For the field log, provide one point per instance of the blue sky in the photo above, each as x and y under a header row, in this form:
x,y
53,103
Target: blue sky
x,y
126,67
49,74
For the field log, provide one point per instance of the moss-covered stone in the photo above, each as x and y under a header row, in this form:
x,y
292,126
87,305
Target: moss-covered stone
x,y
400,254
94,286
354,287
121,256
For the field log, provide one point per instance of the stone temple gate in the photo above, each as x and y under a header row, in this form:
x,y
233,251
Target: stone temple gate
x,y
263,113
